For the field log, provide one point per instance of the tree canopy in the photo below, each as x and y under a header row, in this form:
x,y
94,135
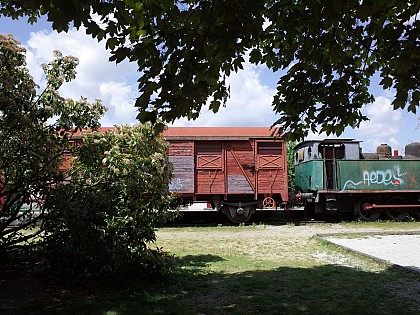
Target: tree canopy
x,y
185,49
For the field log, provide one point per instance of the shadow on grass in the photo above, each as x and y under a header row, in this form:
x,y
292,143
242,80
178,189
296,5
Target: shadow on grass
x,y
199,261
328,289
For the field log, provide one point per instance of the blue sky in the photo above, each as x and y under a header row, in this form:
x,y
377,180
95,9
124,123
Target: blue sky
x,y
251,89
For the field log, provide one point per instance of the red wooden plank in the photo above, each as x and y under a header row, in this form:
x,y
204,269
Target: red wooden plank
x,y
210,181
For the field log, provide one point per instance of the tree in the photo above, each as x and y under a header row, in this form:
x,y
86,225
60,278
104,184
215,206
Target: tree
x,y
103,219
31,145
185,49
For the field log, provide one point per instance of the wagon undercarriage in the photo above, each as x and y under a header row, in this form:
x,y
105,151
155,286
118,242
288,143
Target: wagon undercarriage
x,y
238,212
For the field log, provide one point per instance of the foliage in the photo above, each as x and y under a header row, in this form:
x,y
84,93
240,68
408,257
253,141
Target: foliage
x,y
103,219
185,49
30,144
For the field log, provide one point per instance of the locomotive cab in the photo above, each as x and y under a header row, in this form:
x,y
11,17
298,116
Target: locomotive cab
x,y
315,161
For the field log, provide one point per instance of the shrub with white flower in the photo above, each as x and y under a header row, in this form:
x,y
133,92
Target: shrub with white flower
x,y
111,220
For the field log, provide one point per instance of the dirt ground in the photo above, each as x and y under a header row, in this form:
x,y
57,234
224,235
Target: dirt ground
x,y
303,230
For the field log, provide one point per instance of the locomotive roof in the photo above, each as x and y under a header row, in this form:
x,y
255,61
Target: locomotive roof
x,y
209,133
327,141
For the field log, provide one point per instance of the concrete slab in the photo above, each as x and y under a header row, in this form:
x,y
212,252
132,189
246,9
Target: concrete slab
x,y
399,250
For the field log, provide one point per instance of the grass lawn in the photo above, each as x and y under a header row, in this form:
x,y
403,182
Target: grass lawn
x,y
241,270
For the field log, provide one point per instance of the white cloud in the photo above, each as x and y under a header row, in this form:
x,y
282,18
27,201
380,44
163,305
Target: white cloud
x,y
96,77
384,124
317,136
249,103
120,106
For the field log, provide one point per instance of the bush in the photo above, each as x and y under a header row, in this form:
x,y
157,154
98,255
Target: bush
x,y
103,220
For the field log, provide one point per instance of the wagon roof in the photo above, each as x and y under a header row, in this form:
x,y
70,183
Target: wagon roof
x,y
209,133
78,134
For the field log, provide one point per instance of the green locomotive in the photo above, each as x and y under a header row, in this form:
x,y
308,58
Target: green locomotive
x,y
334,176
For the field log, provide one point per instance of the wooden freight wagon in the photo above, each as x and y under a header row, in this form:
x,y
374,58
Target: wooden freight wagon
x,y
235,169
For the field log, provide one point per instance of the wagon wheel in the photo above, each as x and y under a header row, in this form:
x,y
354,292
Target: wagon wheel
x,y
235,217
393,213
269,203
367,215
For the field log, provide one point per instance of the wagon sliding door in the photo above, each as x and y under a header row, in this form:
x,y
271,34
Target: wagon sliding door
x,y
240,167
271,169
210,168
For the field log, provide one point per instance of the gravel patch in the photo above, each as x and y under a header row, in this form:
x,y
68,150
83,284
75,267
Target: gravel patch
x,y
398,250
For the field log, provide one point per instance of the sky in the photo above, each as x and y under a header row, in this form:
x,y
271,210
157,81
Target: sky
x,y
252,89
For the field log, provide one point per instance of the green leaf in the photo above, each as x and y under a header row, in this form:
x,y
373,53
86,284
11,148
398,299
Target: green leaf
x,y
386,82
255,56
146,116
111,43
214,106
